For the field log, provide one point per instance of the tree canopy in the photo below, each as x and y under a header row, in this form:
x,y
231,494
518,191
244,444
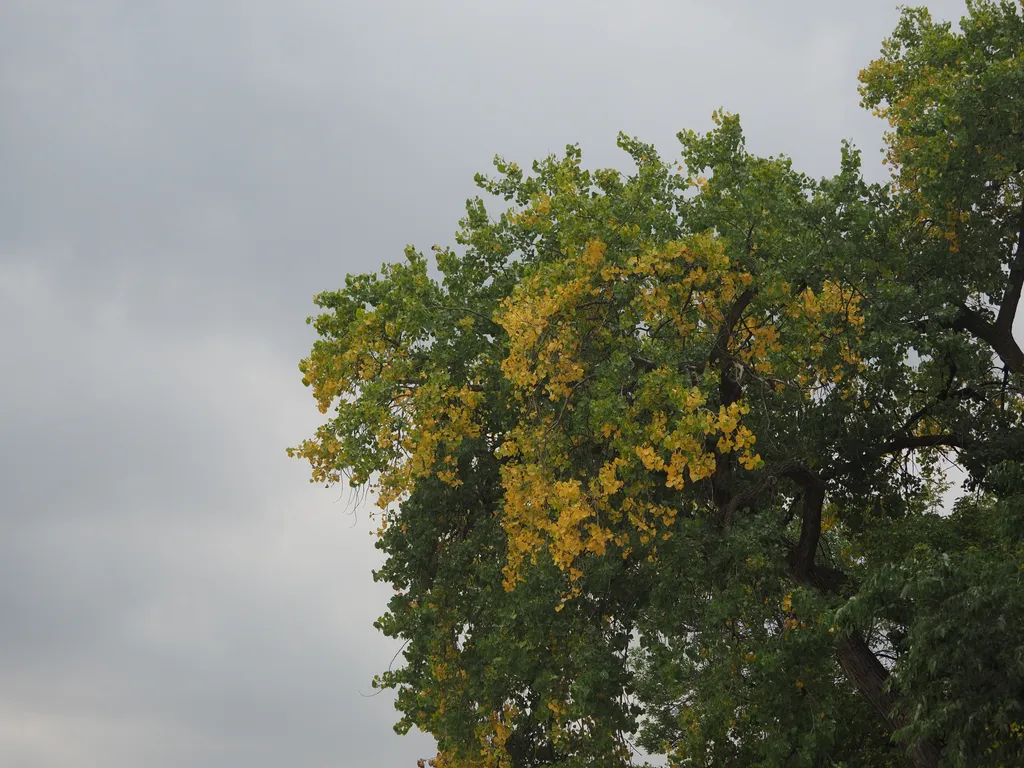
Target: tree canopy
x,y
661,457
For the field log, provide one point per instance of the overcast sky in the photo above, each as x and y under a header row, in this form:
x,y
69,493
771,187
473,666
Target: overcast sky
x,y
177,179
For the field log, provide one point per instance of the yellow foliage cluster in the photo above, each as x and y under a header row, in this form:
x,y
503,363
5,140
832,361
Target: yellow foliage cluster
x,y
670,435
416,434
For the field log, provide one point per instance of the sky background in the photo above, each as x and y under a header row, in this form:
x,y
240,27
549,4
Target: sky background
x,y
177,179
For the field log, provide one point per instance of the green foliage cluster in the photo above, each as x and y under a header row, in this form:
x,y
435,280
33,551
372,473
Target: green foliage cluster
x,y
661,457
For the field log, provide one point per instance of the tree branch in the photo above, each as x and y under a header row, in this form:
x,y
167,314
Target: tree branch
x,y
1011,296
869,676
802,557
643,363
729,388
913,442
721,349
767,480
1000,340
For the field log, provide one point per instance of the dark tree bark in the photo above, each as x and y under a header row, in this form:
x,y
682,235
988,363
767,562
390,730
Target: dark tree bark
x,y
999,335
859,663
999,339
865,671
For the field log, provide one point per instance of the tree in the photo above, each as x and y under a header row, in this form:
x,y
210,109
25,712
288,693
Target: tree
x,y
661,458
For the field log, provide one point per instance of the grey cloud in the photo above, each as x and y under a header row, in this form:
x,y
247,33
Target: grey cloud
x,y
162,567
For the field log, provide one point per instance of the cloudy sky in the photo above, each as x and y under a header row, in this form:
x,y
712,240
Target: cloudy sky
x,y
177,179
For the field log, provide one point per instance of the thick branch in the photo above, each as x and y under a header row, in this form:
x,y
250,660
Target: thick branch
x,y
896,444
999,339
802,557
1011,296
643,363
729,387
913,442
767,480
858,661
868,675
721,349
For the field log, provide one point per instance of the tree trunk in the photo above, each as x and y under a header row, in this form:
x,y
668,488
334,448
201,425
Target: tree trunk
x,y
866,672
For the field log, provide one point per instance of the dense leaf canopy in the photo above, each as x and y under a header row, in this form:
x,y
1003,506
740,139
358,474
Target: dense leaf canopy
x,y
661,458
